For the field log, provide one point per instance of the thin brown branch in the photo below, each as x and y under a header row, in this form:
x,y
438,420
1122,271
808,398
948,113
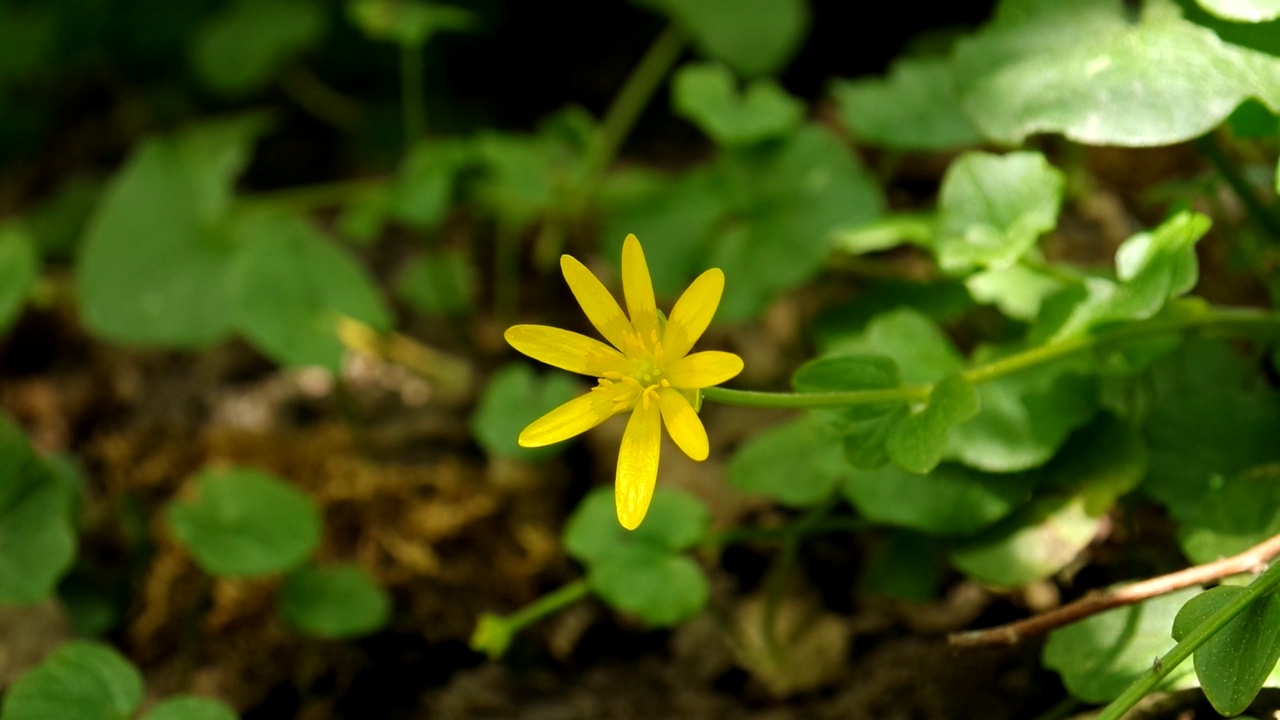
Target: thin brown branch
x,y
1253,560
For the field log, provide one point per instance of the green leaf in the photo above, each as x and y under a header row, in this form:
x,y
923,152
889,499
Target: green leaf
x,y
866,427
660,588
939,301
514,397
339,601
1099,464
755,37
914,341
1235,662
1017,290
521,175
438,283
81,680
707,94
1235,515
242,48
950,500
846,372
153,267
905,566
890,231
993,208
19,268
1100,656
1243,10
407,22
190,707
915,107
245,523
1024,417
1085,70
37,536
424,186
788,200
920,439
1152,268
799,463
673,215
676,521
58,223
289,285
1212,416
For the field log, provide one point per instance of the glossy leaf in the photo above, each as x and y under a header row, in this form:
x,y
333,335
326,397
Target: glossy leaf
x,y
1233,516
993,208
37,536
798,463
339,601
789,198
1085,70
659,587
153,267
190,707
675,522
290,285
19,268
755,37
245,523
914,107
514,397
1100,656
920,439
438,283
950,500
1243,10
915,342
1017,290
708,95
1236,661
243,47
82,680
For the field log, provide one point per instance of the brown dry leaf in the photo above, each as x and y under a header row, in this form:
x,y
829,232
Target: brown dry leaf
x,y
805,649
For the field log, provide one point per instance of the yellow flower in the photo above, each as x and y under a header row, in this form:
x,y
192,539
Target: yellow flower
x,y
648,370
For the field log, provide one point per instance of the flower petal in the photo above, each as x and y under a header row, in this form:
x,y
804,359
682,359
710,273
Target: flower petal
x,y
638,289
683,424
638,464
692,313
702,369
566,350
601,309
577,416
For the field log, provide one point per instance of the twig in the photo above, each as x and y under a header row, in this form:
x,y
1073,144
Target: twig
x,y
1252,560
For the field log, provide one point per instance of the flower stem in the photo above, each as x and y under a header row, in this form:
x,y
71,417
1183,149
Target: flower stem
x,y
1189,644
635,94
493,633
1230,321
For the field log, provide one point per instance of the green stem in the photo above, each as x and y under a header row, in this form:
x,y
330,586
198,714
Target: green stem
x,y
1189,644
1222,320
413,104
552,602
635,94
1260,213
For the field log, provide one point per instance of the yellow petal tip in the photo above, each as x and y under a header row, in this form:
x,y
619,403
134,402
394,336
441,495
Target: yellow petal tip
x,y
629,520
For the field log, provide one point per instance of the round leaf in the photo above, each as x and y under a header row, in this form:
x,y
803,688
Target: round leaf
x,y
917,444
240,49
245,523
1243,10
514,397
799,463
1235,663
707,95
659,587
1234,516
289,286
756,37
1100,656
915,107
81,680
190,708
37,537
675,521
951,500
334,602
